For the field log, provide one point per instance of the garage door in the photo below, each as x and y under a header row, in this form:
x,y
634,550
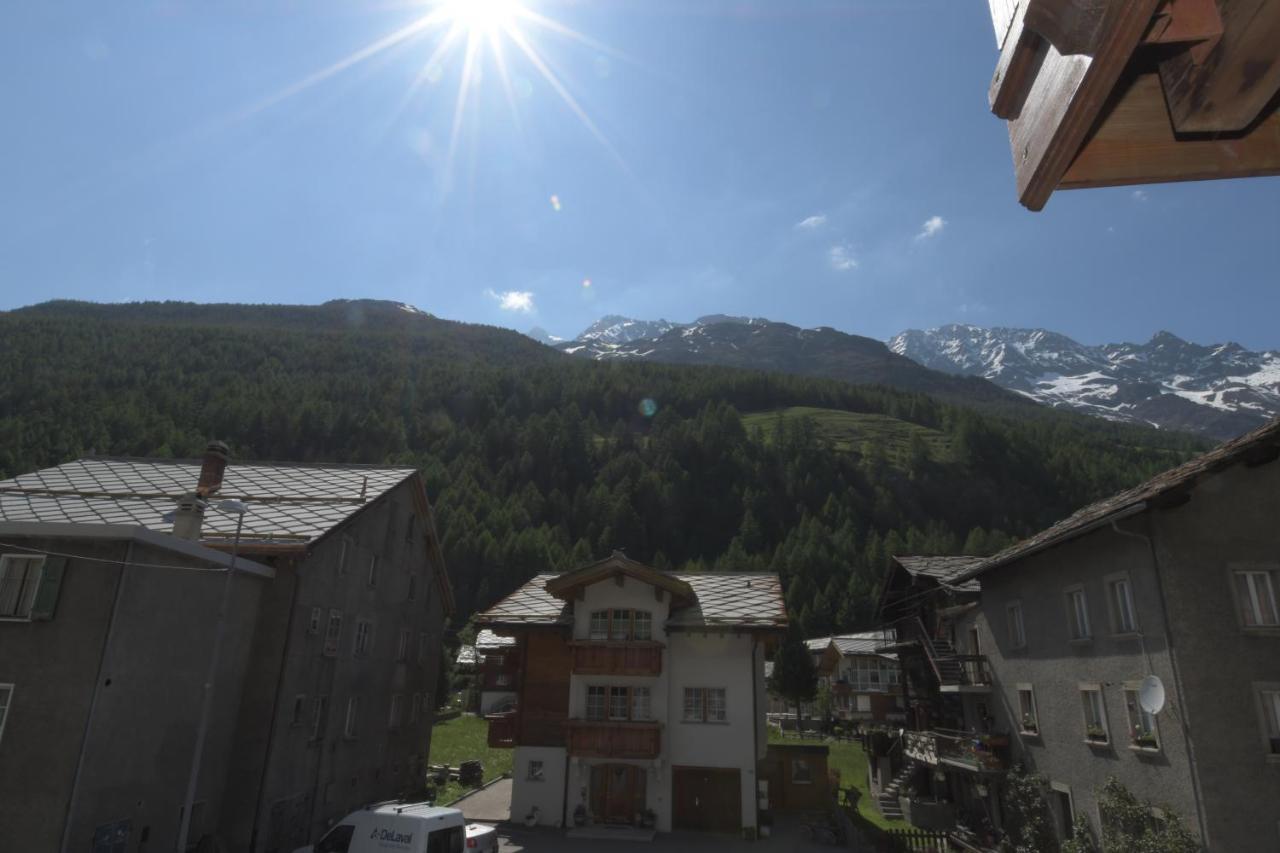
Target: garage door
x,y
707,799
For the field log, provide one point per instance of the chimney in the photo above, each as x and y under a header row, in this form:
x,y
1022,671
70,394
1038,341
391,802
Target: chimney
x,y
188,518
212,468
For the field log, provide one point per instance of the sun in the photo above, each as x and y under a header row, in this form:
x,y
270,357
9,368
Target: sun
x,y
482,17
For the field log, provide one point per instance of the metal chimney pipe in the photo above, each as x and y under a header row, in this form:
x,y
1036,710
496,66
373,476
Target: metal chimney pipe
x,y
212,468
188,518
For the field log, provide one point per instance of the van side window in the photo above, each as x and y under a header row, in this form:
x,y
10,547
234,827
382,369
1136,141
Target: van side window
x,y
447,840
337,840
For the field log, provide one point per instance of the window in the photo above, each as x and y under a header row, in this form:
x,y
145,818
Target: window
x,y
19,580
1268,700
801,771
704,705
344,551
1028,721
6,699
414,703
402,650
299,709
1095,714
364,637
595,703
620,625
333,633
352,724
336,840
640,704
535,773
1142,725
1256,595
313,624
619,703
446,840
373,570
397,711
319,716
1017,629
1078,614
1120,603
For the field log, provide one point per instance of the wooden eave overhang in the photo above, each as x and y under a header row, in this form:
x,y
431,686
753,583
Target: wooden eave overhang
x,y
1119,92
567,585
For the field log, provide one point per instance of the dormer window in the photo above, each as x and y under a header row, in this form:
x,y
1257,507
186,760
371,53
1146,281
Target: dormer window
x,y
621,625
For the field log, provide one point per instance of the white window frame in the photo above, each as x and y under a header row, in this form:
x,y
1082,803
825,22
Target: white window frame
x,y
333,633
1138,718
362,642
317,616
1017,625
1086,709
299,710
402,649
31,578
351,725
598,625
1252,613
414,704
709,705
6,703
319,716
600,694
535,771
1077,632
1035,710
373,571
1267,699
1118,607
395,719
344,551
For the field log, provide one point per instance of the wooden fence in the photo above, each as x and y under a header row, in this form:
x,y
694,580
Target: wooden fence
x,y
917,841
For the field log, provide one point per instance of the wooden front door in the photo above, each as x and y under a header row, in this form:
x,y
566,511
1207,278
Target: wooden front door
x,y
706,799
617,792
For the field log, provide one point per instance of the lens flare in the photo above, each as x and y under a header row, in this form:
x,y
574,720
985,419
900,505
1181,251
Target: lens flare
x,y
555,203
648,407
586,282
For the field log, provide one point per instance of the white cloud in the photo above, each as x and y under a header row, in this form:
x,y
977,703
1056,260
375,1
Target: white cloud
x,y
809,223
841,258
513,300
931,227
1139,195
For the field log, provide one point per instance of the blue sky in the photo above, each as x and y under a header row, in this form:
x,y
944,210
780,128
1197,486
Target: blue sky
x,y
819,162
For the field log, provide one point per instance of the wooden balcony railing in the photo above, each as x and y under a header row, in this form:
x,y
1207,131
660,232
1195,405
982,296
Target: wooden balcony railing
x,y
502,730
610,739
981,753
604,657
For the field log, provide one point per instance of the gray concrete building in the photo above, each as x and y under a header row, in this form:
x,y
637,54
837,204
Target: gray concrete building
x,y
324,693
1178,579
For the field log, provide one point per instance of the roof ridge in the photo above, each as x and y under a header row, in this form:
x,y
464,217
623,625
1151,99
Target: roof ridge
x,y
160,460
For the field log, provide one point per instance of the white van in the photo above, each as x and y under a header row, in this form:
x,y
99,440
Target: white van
x,y
406,828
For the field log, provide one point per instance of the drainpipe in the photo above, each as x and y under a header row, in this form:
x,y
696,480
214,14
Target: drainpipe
x,y
93,703
1149,538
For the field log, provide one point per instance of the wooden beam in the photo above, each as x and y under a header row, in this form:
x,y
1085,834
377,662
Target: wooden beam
x,y
1135,144
1020,60
1227,89
1002,14
1193,22
1071,26
1067,96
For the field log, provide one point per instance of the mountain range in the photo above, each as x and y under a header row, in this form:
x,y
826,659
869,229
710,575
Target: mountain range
x,y
1218,391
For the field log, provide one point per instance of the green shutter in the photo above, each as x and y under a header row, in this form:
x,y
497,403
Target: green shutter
x,y
46,600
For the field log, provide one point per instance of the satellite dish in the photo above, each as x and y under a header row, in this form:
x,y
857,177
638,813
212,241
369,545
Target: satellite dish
x,y
1151,694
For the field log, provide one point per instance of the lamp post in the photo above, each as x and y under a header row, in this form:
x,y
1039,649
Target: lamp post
x,y
239,509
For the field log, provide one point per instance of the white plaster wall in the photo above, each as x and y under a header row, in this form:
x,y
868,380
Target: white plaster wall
x,y
717,660
547,795
633,594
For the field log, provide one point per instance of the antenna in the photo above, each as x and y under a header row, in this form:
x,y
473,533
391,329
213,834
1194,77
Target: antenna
x,y
1151,694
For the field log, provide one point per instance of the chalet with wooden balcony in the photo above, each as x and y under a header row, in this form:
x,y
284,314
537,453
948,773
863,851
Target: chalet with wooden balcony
x,y
640,694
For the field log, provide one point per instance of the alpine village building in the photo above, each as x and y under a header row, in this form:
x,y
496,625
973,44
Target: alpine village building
x,y
323,697
640,695
1137,639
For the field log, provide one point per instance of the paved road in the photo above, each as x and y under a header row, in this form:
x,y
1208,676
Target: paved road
x,y
490,805
786,839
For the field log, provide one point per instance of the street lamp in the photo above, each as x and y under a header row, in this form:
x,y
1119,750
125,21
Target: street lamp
x,y
237,508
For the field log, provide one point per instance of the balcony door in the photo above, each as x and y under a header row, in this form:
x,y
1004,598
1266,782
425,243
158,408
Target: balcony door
x,y
617,792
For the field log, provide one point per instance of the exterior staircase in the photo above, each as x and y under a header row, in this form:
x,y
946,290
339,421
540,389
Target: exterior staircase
x,y
887,802
944,658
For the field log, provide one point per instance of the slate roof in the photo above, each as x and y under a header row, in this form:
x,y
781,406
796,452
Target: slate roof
x,y
945,570
1260,444
865,643
467,656
486,639
722,599
289,504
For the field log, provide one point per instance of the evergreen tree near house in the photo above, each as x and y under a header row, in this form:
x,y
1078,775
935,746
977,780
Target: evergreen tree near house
x,y
794,676
1028,822
1130,825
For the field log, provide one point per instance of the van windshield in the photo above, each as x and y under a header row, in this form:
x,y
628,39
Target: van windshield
x,y
337,840
446,840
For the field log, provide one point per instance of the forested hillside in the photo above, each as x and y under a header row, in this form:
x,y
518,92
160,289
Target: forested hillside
x,y
537,462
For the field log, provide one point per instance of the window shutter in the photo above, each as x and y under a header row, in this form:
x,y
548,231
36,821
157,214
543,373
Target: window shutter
x,y
46,600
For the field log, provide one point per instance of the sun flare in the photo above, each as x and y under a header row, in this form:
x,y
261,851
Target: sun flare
x,y
483,17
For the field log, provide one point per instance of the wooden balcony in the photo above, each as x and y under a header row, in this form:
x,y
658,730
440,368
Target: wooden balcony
x,y
613,739
978,753
502,730
606,657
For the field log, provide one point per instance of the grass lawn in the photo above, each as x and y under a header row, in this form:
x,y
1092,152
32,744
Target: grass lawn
x,y
848,430
463,739
851,762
